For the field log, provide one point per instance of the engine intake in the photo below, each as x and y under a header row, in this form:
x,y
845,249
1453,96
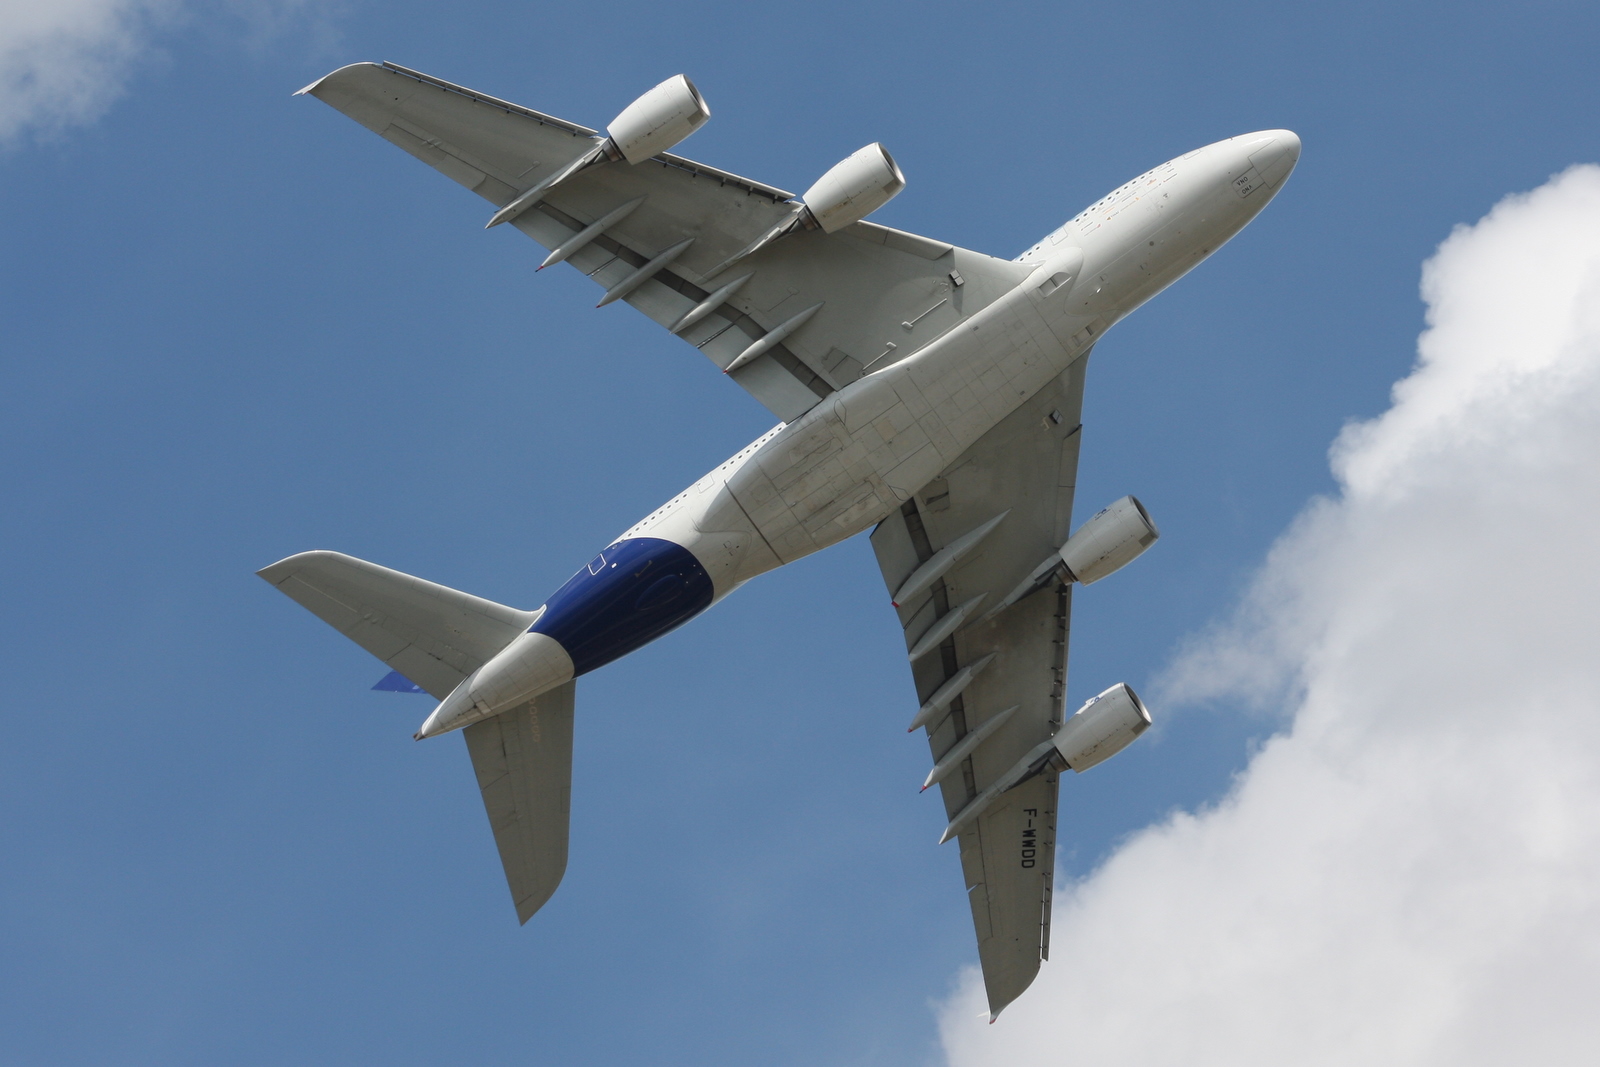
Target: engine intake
x,y
854,188
1114,538
659,119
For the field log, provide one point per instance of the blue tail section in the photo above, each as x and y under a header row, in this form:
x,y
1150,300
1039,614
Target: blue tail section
x,y
395,682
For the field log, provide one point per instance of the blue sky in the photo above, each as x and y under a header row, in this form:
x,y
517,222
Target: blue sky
x,y
236,325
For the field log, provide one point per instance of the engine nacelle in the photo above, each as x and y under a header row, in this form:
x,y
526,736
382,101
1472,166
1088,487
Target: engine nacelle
x,y
854,188
1101,728
1110,541
659,119
1104,726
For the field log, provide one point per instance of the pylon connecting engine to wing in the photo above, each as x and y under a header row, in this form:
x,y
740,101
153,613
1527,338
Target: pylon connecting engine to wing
x,y
1116,536
1104,726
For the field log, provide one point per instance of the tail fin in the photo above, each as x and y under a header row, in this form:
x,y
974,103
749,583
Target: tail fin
x,y
436,636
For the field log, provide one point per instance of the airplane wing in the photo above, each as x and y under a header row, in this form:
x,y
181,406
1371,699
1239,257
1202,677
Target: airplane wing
x,y
830,305
1024,468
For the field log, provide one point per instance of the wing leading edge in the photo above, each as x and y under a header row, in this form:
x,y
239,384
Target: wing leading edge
x,y
1025,468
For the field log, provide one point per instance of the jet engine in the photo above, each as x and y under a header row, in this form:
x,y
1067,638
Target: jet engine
x,y
1104,726
1101,728
658,120
1115,537
647,127
854,188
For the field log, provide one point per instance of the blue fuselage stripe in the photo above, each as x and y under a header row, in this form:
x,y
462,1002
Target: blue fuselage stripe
x,y
631,594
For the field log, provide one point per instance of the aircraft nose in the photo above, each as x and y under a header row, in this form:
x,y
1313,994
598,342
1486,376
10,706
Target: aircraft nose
x,y
1273,153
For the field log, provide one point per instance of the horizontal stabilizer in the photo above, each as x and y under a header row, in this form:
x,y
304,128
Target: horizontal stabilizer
x,y
523,759
431,634
434,636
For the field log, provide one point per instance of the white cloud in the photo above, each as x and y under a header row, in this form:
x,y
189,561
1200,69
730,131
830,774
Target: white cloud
x,y
64,62
1410,873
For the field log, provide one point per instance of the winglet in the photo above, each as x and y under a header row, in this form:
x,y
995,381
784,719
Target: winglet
x,y
313,86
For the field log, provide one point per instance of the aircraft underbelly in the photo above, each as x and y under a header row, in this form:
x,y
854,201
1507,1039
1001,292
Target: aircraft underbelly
x,y
848,463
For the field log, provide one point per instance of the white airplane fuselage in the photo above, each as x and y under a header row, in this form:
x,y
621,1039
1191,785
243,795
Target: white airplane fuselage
x,y
862,452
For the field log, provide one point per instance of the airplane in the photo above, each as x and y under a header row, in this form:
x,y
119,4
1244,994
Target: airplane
x,y
925,392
